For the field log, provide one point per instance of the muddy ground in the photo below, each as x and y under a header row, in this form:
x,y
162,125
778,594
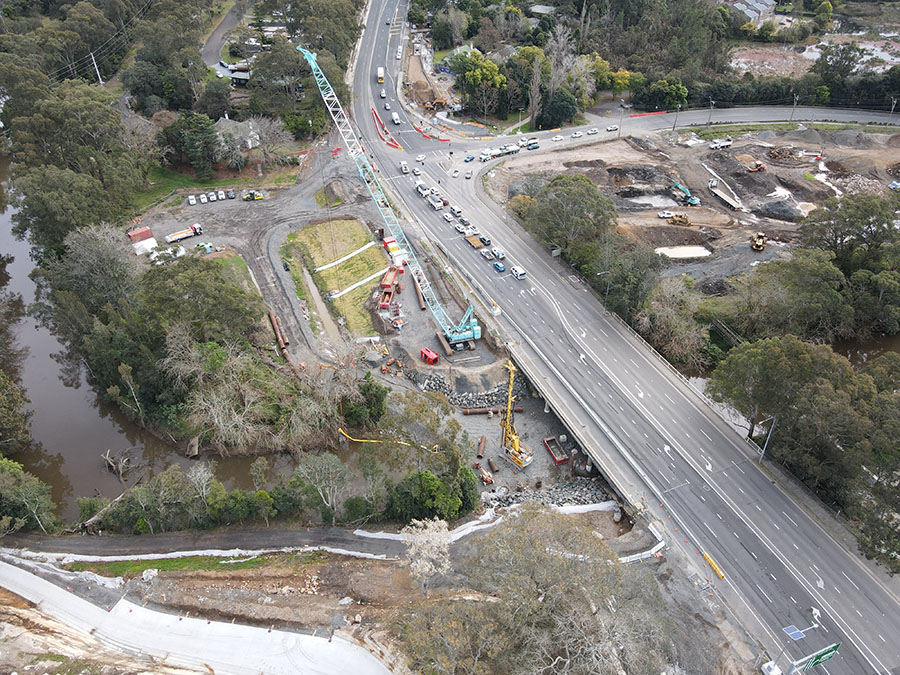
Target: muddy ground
x,y
804,168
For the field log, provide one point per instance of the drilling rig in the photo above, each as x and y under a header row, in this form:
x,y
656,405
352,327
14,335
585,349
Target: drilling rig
x,y
515,452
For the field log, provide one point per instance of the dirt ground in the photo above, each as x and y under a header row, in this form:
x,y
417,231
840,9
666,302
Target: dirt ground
x,y
804,167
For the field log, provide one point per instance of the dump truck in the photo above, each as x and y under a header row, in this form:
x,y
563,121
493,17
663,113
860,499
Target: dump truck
x,y
475,241
191,231
719,143
679,219
681,193
758,241
722,194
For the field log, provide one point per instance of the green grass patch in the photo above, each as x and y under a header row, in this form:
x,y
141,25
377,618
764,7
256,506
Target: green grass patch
x,y
868,128
351,307
50,656
355,269
131,568
322,199
163,181
236,269
330,240
808,176
717,131
439,56
225,55
524,128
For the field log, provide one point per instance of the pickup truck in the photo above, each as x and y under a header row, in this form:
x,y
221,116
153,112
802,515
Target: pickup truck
x,y
475,241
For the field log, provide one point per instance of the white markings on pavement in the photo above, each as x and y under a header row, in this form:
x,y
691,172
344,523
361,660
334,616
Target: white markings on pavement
x,y
718,516
635,364
819,582
640,393
739,469
757,507
710,530
776,525
624,432
792,599
735,534
705,434
837,589
764,594
663,476
790,519
850,580
881,638
742,492
604,332
795,546
668,397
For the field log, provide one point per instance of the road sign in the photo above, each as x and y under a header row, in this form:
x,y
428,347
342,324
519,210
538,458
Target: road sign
x,y
820,657
793,632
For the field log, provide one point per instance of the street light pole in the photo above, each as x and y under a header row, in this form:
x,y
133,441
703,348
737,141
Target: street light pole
x,y
893,103
711,104
768,437
796,99
677,110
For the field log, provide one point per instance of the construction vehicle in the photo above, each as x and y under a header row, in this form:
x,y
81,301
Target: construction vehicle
x,y
758,241
190,231
722,194
681,193
475,241
515,452
678,219
467,328
756,166
895,185
428,356
750,163
252,195
436,104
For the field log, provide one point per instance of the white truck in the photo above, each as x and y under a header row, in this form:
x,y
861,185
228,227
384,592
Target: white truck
x,y
190,231
404,167
423,189
379,75
395,118
719,143
436,203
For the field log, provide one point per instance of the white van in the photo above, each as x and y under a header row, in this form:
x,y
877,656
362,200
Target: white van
x,y
456,211
395,118
518,272
404,167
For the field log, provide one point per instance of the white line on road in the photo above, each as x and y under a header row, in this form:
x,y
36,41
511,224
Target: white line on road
x,y
710,530
705,434
739,469
764,593
776,525
792,599
663,476
791,519
757,507
850,580
668,397
795,546
735,534
604,332
718,516
837,589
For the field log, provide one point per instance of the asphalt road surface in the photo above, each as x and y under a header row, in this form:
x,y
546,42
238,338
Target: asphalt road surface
x,y
665,448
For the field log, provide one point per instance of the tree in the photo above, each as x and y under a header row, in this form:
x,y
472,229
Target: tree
x,y
275,76
534,93
561,52
24,498
327,475
664,93
14,433
623,273
201,144
837,62
215,101
481,80
271,133
669,324
423,495
143,79
488,36
558,110
427,550
368,406
259,470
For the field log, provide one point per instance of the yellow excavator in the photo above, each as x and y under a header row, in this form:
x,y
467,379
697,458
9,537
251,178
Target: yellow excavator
x,y
515,451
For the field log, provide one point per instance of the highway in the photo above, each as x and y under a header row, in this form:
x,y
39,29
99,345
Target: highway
x,y
668,452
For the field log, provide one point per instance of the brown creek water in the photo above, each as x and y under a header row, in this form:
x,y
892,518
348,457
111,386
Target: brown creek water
x,y
73,426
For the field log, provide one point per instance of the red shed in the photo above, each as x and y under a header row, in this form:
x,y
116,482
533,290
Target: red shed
x,y
139,234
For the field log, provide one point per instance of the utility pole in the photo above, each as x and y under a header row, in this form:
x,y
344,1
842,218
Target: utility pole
x,y
96,69
711,104
796,99
893,103
621,117
768,437
677,110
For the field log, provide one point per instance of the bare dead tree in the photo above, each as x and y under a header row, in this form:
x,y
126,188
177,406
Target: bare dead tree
x,y
534,92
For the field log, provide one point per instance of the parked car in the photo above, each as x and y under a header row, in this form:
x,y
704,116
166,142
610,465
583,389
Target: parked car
x,y
468,174
229,194
387,106
498,252
592,131
556,138
665,214
221,195
499,266
211,195
577,134
417,171
470,158
455,173
612,127
192,200
420,158
447,217
203,199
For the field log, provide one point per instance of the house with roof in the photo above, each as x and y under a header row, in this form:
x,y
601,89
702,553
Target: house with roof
x,y
756,12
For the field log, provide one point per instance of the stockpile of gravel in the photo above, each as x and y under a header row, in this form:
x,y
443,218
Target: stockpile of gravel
x,y
486,399
578,491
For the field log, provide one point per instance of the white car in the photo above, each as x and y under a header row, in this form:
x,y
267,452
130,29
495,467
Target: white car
x,y
556,138
455,173
612,127
420,158
592,131
665,214
577,134
468,174
203,199
460,228
221,195
417,171
498,252
211,195
447,217
383,94
192,200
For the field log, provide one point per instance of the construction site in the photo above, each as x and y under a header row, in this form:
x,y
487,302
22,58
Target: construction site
x,y
718,205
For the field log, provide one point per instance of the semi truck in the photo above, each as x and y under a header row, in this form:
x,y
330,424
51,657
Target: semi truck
x,y
379,74
191,231
722,194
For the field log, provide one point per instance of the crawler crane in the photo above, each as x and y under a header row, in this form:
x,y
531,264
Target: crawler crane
x,y
515,451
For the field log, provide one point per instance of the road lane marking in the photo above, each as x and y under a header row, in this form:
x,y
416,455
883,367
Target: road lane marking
x,y
850,580
791,519
668,397
837,589
742,492
739,469
764,593
757,507
705,434
663,476
735,534
718,516
795,546
710,530
776,525
792,599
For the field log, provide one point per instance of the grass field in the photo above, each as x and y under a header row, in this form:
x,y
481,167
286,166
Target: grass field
x,y
320,244
719,131
235,268
322,199
130,568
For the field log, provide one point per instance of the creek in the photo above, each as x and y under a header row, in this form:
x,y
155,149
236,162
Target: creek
x,y
71,425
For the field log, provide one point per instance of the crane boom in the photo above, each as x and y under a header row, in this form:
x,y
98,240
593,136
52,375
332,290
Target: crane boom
x,y
515,451
467,328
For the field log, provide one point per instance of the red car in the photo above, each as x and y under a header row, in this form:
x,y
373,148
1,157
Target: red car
x,y
428,356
